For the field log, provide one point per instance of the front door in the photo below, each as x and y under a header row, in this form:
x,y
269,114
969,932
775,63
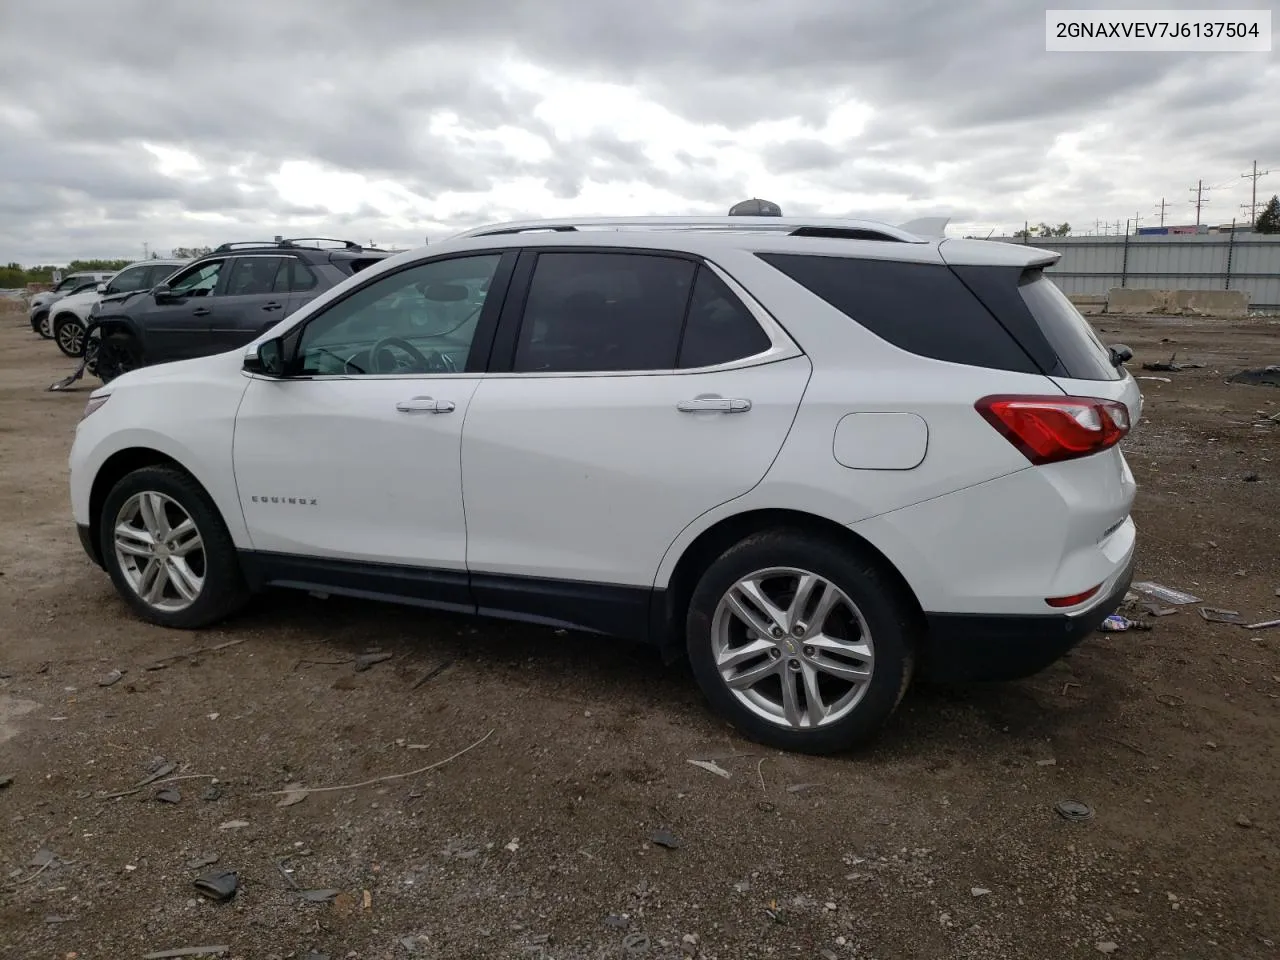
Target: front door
x,y
349,469
640,392
177,326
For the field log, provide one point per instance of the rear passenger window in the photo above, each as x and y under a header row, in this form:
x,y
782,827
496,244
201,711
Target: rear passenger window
x,y
719,328
295,276
923,308
253,276
603,312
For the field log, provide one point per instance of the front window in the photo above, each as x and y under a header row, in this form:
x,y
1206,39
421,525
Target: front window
x,y
129,281
421,320
199,281
68,284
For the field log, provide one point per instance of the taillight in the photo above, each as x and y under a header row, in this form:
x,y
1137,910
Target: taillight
x,y
1052,429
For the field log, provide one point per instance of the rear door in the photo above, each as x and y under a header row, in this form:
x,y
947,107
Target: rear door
x,y
296,285
248,303
634,392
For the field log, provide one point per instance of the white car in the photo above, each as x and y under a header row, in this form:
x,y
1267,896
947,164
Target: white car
x,y
69,316
39,305
817,457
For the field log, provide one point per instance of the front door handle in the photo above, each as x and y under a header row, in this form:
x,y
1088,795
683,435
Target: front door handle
x,y
425,405
201,312
713,405
273,306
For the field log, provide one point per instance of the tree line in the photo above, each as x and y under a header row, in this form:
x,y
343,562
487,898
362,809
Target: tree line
x,y
15,275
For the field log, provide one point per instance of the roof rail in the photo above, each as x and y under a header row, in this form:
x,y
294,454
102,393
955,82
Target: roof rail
x,y
293,242
788,226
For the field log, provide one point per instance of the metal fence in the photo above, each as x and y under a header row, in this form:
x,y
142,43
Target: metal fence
x,y
1225,261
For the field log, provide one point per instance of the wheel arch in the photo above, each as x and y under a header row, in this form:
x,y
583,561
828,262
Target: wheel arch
x,y
117,466
671,604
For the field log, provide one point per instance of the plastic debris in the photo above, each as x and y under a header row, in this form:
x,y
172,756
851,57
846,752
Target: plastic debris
x,y
203,860
187,952
1215,615
1167,594
218,885
712,767
616,921
1118,624
115,676
233,825
318,896
297,793
1265,624
1262,376
168,795
979,891
6,780
665,838
1107,947
1074,810
367,660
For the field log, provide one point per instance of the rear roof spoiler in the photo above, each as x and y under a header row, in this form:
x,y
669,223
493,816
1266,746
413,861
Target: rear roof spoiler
x,y
931,227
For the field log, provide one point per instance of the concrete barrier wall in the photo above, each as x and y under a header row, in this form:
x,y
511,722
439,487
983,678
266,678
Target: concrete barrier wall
x,y
1200,303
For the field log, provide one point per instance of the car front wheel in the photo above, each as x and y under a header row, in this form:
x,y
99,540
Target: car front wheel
x,y
40,323
68,334
168,552
799,642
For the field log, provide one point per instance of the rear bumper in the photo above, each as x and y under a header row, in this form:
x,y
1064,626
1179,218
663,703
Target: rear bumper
x,y
963,647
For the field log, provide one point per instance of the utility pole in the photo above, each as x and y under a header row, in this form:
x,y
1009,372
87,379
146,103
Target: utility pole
x,y
1199,201
1136,220
1253,204
1162,206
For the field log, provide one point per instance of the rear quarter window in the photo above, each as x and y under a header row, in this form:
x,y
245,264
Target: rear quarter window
x,y
922,308
1081,354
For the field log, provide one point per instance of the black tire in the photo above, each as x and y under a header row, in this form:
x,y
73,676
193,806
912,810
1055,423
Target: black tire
x,y
223,591
889,617
68,334
118,353
38,322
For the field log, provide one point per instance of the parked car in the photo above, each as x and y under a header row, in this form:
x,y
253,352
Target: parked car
x,y
817,458
39,305
71,313
220,301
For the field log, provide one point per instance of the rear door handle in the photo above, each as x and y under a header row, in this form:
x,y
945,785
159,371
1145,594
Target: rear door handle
x,y
713,405
273,306
425,405
201,312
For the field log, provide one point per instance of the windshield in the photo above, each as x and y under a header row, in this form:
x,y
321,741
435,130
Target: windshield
x,y
68,284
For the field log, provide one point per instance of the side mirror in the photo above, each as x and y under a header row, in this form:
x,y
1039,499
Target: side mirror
x,y
267,360
102,288
1120,354
162,293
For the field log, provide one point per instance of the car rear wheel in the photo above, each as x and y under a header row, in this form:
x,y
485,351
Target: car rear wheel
x,y
799,642
40,323
168,551
118,353
68,334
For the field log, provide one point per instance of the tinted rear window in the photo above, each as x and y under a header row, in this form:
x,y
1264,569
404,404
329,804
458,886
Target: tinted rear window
x,y
1082,354
920,307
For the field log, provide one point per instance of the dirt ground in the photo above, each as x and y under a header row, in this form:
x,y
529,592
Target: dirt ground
x,y
942,840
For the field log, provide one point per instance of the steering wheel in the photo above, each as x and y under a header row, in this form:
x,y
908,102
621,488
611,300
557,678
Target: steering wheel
x,y
431,362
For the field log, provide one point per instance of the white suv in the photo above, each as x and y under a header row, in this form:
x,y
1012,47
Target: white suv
x,y
71,314
819,457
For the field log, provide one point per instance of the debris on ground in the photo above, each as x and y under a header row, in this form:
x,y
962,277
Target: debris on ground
x,y
1118,624
1261,376
211,792
665,838
1216,615
1265,624
296,793
1161,379
203,860
6,780
217,951
1074,810
801,787
233,825
1167,594
616,921
168,795
1107,947
1171,365
712,767
979,891
1156,610
218,885
431,674
115,676
367,660
1243,821
318,896
53,918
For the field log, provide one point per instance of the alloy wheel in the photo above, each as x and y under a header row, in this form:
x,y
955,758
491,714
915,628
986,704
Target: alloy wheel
x,y
160,551
792,647
70,338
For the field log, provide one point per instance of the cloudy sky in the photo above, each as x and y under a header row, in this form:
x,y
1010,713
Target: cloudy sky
x,y
190,123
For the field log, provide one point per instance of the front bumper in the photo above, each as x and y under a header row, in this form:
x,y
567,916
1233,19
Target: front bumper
x,y
963,647
86,541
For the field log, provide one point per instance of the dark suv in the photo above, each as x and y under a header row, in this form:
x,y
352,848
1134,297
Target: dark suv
x,y
218,302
